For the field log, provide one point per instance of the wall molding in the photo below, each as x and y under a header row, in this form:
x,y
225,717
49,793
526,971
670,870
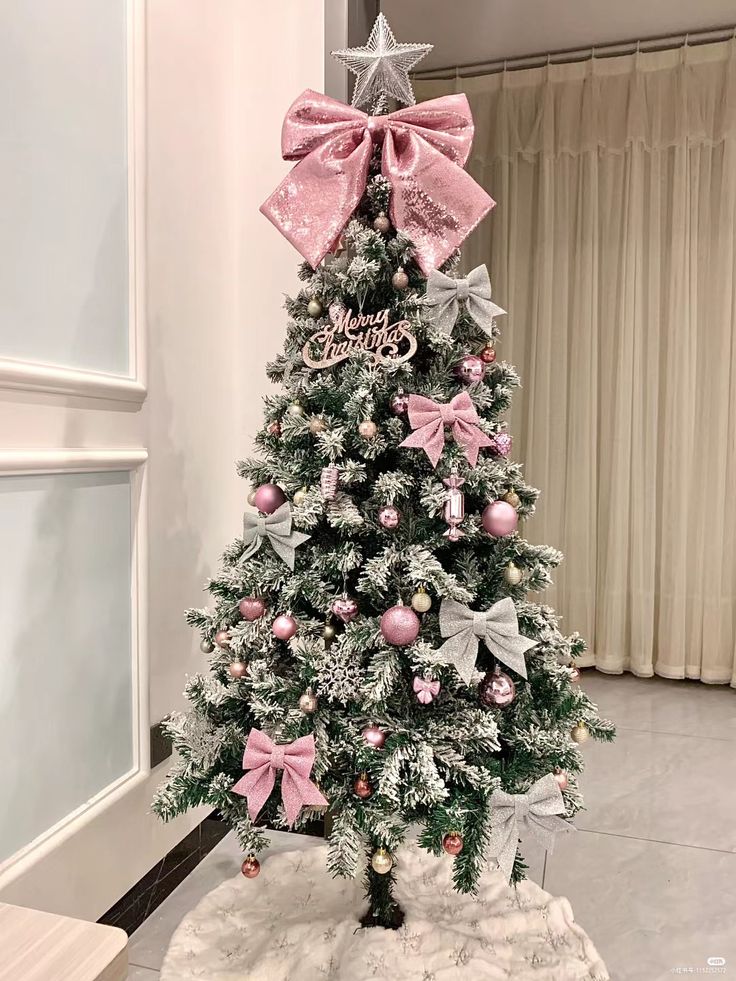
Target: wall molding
x,y
25,462
56,379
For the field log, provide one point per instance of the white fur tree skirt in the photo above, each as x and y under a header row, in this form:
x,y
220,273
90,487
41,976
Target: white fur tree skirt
x,y
295,923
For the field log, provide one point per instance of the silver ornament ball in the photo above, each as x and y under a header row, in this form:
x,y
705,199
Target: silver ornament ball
x,y
512,574
382,862
206,646
296,409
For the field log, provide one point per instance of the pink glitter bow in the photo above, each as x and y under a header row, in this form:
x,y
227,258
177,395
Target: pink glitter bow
x,y
263,758
434,201
429,419
426,691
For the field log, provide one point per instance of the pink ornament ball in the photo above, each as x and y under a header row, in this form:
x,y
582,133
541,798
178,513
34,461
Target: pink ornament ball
x,y
400,403
284,626
502,443
238,670
374,736
400,626
470,370
222,638
345,608
250,867
497,690
561,778
389,517
252,608
500,519
269,498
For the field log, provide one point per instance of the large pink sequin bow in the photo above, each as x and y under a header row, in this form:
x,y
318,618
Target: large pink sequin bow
x,y
424,149
263,758
429,419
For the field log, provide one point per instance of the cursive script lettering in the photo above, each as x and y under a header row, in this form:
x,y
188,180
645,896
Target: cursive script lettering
x,y
351,332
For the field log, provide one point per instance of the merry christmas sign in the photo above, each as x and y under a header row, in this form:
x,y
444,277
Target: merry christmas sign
x,y
350,332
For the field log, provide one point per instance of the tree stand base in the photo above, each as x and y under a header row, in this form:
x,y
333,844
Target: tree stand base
x,y
295,921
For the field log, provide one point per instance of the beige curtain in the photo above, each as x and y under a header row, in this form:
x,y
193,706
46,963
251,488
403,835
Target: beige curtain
x,y
613,246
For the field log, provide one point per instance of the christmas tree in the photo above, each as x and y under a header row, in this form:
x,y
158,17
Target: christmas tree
x,y
373,650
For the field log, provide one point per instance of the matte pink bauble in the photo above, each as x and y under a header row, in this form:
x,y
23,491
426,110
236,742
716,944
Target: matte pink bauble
x,y
269,498
561,778
389,517
345,608
374,736
497,689
470,370
400,626
252,608
284,627
500,519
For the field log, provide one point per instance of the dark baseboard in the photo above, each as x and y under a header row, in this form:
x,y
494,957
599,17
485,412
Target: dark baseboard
x,y
149,892
160,744
159,882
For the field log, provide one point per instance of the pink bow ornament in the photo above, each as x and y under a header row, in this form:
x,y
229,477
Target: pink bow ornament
x,y
426,691
434,202
263,758
429,420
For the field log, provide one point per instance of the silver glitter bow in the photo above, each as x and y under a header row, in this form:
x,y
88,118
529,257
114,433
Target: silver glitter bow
x,y
498,628
536,812
276,528
444,295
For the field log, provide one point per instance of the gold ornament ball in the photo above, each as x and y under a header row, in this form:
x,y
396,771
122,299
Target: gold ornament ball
x,y
295,409
329,632
400,280
512,498
308,702
314,308
580,733
252,497
300,496
382,861
317,425
368,429
381,223
421,601
512,574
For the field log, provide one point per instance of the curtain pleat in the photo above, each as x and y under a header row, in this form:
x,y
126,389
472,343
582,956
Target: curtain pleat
x,y
613,247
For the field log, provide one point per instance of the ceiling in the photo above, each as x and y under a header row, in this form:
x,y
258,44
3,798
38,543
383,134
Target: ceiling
x,y
465,31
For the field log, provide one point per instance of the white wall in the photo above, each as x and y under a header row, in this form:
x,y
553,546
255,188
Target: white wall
x,y
219,78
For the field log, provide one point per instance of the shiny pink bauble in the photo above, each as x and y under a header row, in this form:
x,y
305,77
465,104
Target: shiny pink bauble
x,y
400,403
470,370
561,778
488,355
237,669
250,868
497,690
453,843
389,517
284,627
500,519
368,429
222,638
374,736
274,428
345,608
269,498
362,787
252,608
400,626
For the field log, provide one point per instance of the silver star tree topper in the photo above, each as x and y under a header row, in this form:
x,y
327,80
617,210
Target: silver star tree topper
x,y
382,67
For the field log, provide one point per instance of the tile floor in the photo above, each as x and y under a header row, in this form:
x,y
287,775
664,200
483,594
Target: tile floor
x,y
651,875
